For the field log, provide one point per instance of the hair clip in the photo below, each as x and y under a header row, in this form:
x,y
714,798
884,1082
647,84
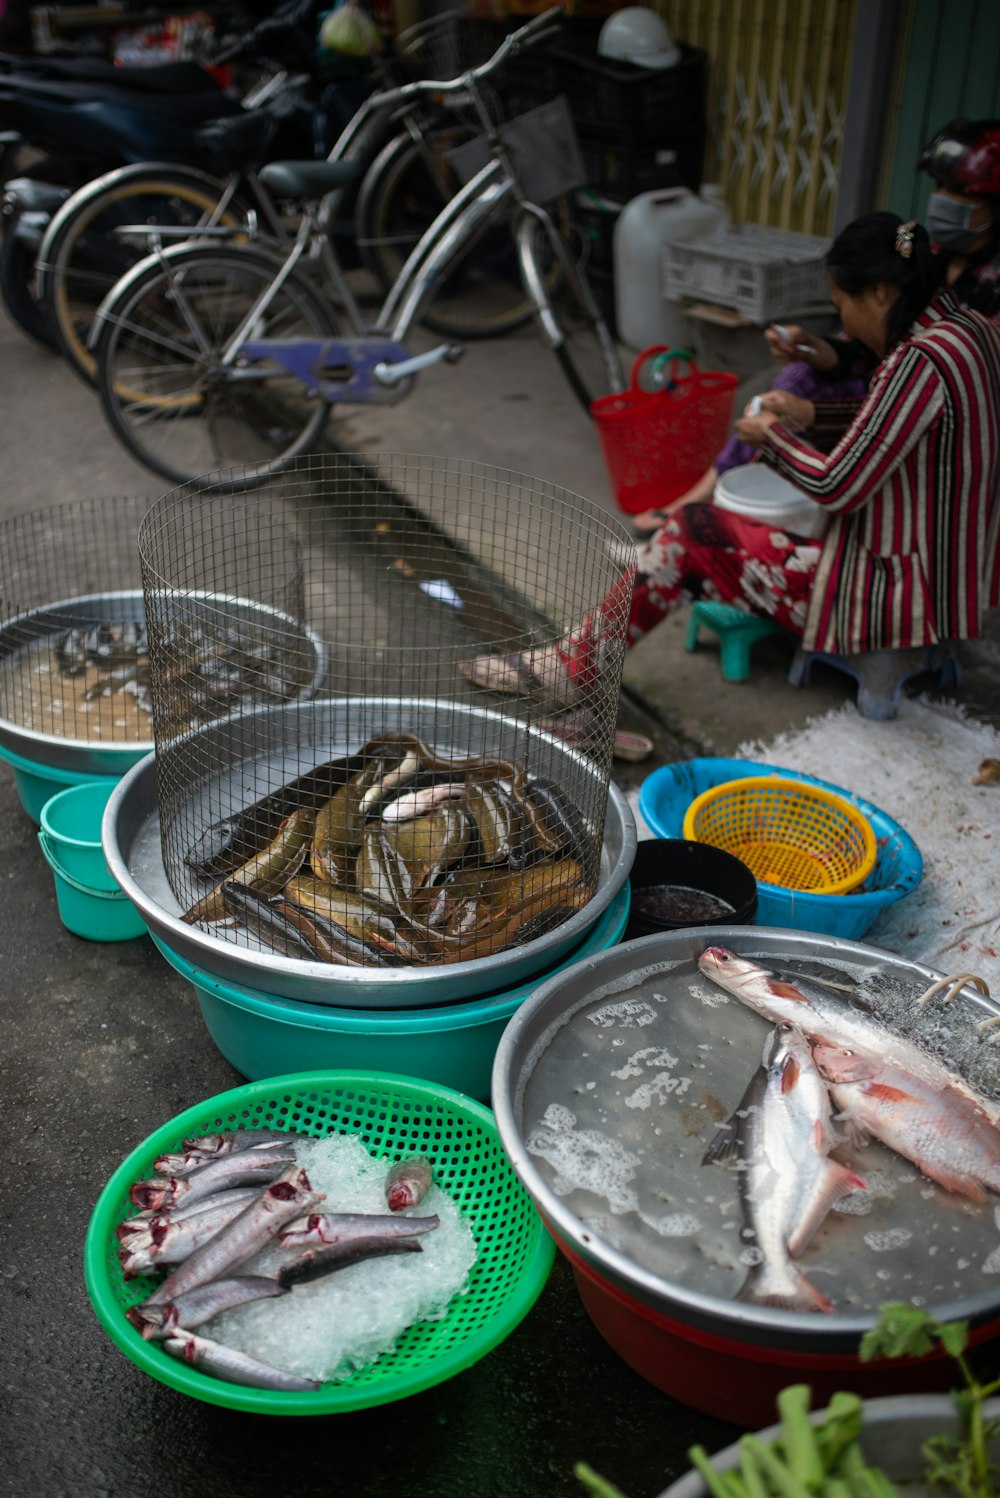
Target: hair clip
x,y
904,238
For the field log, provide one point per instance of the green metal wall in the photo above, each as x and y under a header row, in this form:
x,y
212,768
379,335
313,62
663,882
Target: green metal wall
x,y
952,68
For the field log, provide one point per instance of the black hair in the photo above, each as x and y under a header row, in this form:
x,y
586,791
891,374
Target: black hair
x,y
868,252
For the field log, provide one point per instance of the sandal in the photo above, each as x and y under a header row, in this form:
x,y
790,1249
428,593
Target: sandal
x,y
506,674
659,518
580,728
513,676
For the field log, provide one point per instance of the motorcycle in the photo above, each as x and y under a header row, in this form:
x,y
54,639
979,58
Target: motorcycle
x,y
85,124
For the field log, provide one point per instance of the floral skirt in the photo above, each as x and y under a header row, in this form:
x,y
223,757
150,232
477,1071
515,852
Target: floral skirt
x,y
703,551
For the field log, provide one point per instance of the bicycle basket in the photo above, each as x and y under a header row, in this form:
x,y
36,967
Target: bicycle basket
x,y
543,149
657,443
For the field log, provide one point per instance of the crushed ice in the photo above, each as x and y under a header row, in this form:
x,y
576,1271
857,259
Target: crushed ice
x,y
326,1329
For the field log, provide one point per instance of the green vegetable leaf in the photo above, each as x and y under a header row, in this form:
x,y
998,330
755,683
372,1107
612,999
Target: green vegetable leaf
x,y
953,1336
901,1331
594,1483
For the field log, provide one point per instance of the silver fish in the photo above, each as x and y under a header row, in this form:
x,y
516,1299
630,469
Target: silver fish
x,y
407,1183
198,1306
230,1170
198,1152
290,1196
940,1129
825,1014
235,1367
782,1134
345,1227
166,1240
236,1198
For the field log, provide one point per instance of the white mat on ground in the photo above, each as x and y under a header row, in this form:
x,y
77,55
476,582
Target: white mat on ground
x,y
919,768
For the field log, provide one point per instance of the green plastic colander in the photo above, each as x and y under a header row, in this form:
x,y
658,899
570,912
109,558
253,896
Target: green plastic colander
x,y
393,1116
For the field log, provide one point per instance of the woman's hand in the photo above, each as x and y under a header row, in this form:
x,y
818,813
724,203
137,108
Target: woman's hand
x,y
751,429
795,411
777,405
789,343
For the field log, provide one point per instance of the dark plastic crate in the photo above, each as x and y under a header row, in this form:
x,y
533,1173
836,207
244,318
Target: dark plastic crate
x,y
623,171
646,104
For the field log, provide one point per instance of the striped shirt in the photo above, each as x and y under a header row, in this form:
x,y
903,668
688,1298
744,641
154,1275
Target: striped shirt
x,y
912,552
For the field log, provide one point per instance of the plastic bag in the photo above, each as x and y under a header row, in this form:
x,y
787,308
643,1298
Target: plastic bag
x,y
351,30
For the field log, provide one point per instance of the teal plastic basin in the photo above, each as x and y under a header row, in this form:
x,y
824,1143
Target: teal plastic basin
x,y
37,783
71,832
452,1044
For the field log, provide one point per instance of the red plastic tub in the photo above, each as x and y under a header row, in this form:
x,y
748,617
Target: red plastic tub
x,y
738,1381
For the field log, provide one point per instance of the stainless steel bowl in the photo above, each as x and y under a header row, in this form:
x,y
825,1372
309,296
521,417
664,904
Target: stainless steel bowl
x,y
91,756
132,845
522,1087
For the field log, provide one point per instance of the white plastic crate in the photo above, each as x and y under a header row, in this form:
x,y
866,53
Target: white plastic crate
x,y
760,272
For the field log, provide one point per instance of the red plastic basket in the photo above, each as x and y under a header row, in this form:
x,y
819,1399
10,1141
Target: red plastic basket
x,y
657,443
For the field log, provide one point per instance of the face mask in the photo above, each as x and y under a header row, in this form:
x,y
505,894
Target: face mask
x,y
947,222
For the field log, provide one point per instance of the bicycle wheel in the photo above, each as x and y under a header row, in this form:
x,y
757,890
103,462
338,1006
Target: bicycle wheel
x,y
567,312
81,258
403,193
164,388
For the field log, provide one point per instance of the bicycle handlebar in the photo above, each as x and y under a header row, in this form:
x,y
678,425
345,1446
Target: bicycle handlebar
x,y
532,32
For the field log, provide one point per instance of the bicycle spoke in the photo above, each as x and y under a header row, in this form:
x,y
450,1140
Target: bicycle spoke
x,y
165,386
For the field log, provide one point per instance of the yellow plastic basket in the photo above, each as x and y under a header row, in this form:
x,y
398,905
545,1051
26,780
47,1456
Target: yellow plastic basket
x,y
789,833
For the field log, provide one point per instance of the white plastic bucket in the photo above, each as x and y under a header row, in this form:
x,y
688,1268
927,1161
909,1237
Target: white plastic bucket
x,y
756,491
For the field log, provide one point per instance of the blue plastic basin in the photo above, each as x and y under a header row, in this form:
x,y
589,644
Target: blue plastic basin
x,y
666,794
452,1044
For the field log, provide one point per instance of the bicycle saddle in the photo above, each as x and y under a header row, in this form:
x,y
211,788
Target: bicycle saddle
x,y
309,179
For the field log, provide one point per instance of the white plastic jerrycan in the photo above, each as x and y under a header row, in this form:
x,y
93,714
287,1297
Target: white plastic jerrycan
x,y
643,227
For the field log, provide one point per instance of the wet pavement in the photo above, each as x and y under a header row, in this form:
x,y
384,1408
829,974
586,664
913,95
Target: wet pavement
x,y
102,1043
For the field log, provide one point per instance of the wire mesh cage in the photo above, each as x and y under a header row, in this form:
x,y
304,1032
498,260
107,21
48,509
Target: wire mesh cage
x,y
75,646
73,653
430,807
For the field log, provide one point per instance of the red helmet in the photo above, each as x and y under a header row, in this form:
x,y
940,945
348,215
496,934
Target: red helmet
x,y
965,157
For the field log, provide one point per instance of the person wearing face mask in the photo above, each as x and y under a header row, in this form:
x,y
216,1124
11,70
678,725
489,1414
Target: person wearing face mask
x,y
963,222
963,212
911,486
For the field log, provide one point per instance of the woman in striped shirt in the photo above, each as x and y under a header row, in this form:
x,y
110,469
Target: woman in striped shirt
x,y
911,555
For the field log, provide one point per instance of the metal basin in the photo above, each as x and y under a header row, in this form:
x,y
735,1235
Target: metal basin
x,y
106,757
132,845
892,1432
642,1068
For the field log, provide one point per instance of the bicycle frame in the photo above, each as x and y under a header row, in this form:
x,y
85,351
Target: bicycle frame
x,y
374,365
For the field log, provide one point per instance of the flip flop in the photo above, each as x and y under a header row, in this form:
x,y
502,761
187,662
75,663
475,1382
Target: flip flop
x,y
511,675
580,727
506,674
634,747
646,533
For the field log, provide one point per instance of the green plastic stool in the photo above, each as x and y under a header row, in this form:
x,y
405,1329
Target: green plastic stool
x,y
736,631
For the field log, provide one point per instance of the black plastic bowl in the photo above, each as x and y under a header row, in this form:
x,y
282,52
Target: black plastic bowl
x,y
691,866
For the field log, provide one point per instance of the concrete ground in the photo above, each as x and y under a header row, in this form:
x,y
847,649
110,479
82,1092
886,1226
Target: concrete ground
x,y
101,1044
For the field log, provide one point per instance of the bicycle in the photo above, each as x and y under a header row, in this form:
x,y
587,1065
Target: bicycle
x,y
81,257
214,354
